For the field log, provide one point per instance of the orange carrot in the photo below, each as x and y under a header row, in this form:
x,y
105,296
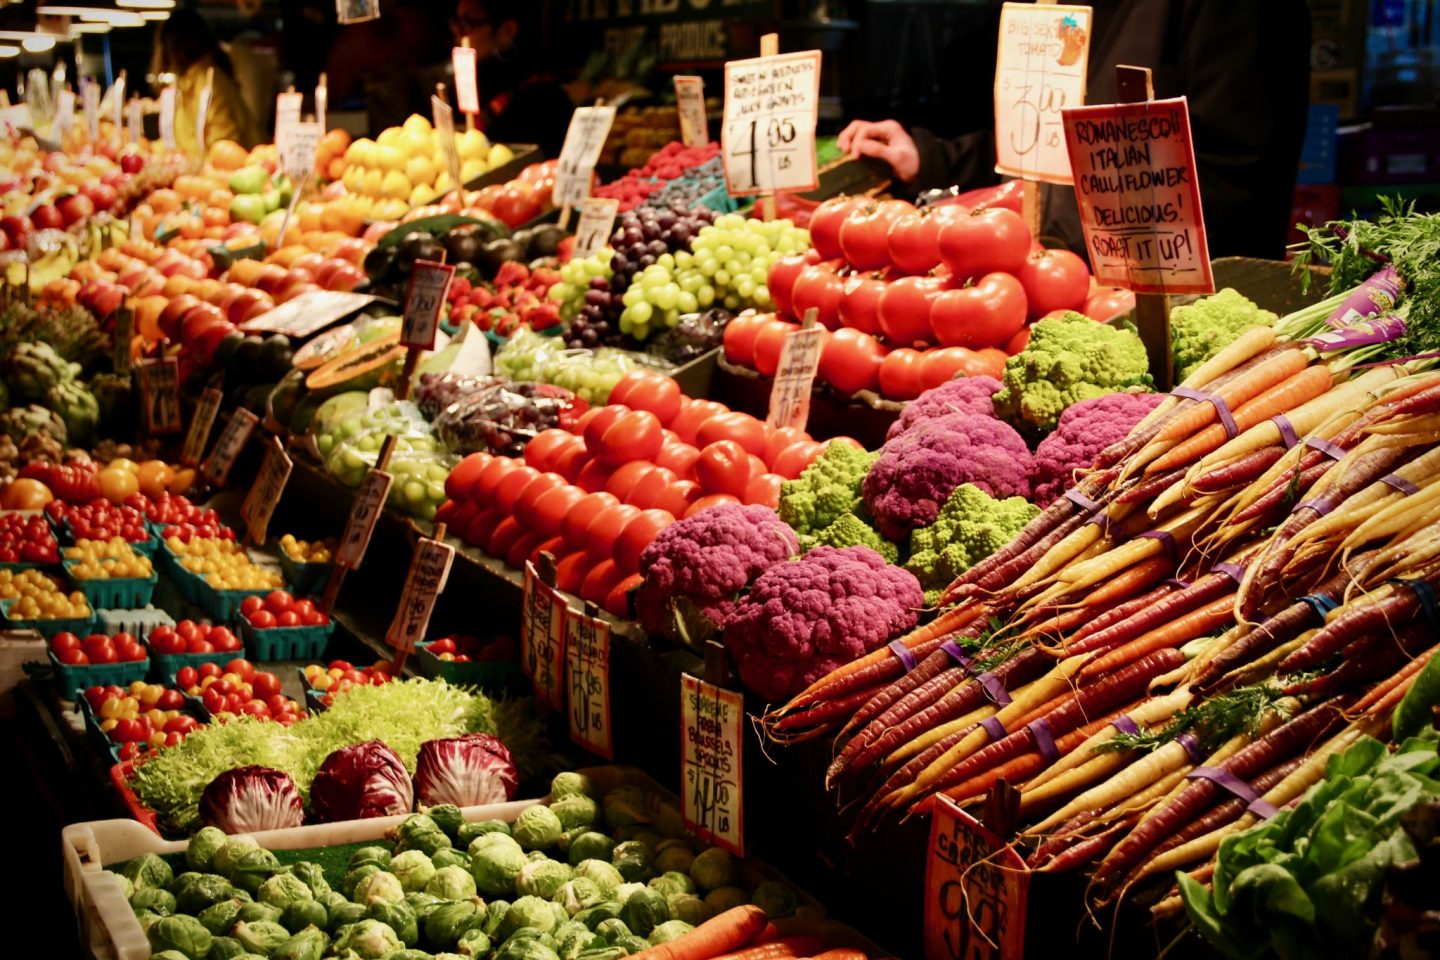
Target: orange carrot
x,y
1194,624
774,950
1384,688
1303,386
1256,381
846,953
1020,768
721,934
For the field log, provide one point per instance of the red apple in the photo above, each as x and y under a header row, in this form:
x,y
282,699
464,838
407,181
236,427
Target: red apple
x,y
250,303
131,162
17,228
174,313
75,207
271,277
102,195
345,277
199,318
47,217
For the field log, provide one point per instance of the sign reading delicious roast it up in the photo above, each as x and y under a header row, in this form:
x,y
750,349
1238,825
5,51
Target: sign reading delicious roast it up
x,y
679,31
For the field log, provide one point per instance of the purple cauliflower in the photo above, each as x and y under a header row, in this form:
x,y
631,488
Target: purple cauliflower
x,y
707,559
962,395
918,470
803,619
1083,431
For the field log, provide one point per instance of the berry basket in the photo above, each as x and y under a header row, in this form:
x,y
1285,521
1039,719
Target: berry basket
x,y
492,676
169,664
286,643
49,627
223,606
305,577
113,592
148,546
314,701
76,678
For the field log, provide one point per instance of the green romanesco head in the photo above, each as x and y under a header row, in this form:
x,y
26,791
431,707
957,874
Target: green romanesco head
x,y
970,526
827,489
1069,359
851,531
1202,329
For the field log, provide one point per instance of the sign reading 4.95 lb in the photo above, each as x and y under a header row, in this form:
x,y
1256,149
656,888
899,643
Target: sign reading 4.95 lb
x,y
768,135
710,760
428,285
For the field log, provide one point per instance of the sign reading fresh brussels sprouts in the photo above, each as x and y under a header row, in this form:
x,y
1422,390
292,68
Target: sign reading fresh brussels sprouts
x,y
587,658
428,573
542,638
710,758
265,492
200,426
976,887
160,395
232,440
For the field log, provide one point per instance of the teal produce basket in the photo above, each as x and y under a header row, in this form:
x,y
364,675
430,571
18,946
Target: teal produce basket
x,y
305,577
48,628
286,643
77,678
223,606
117,593
492,676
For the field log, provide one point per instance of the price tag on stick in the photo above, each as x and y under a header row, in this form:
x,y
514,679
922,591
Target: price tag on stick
x,y
542,633
120,339
90,97
795,375
429,570
167,117
976,890
287,115
584,139
233,438
356,11
134,120
117,106
364,513
322,101
467,92
64,113
690,105
200,426
265,492
160,396
429,282
1039,71
444,119
298,159
597,222
203,110
710,760
587,668
768,134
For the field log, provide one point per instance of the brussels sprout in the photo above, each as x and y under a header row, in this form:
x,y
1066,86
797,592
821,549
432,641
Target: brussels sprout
x,y
495,911
627,890
450,857
672,857
305,913
535,855
495,867
253,869
185,934
574,810
429,842
633,859
158,901
411,825
488,841
603,953
148,870
590,845
572,939
196,891
447,817
352,879
525,949
367,939
645,911
284,889
146,919
646,836
409,954
469,831
381,886
224,860
225,948
577,894
715,868
342,914
423,904
203,847
413,868
380,856
593,916
536,828
218,918
262,936
528,912
449,922
612,929
308,943
331,899
242,895
669,930
541,878
602,874
451,883
688,907
398,916
167,955
631,944
572,784
725,898
313,876
776,899
473,943
251,912
123,882
667,886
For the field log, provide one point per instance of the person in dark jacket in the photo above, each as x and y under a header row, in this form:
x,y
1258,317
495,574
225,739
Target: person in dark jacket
x,y
1244,68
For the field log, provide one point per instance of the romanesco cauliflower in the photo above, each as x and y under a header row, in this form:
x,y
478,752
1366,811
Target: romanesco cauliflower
x,y
970,526
1070,358
827,489
851,531
1202,329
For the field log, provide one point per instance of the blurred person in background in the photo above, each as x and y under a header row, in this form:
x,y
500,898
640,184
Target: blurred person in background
x,y
186,47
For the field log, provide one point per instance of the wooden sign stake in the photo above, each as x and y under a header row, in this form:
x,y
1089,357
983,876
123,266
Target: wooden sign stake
x,y
769,47
339,571
469,117
398,664
1152,310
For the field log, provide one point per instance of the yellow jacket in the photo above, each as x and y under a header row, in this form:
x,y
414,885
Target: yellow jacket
x,y
228,118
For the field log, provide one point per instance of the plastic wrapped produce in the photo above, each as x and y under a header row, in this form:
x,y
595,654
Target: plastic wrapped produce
x,y
502,418
435,392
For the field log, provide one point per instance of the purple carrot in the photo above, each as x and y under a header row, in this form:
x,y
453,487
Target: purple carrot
x,y
1239,471
1353,623
1208,588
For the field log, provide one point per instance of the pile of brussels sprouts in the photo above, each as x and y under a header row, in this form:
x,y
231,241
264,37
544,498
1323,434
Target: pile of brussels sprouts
x,y
554,885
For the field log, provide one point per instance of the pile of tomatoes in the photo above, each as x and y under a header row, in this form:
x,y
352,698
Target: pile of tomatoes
x,y
72,651
27,539
238,688
519,201
142,717
342,675
463,648
188,636
181,518
72,482
101,520
280,609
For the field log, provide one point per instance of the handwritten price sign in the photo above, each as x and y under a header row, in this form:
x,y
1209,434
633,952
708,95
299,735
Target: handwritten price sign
x,y
444,119
795,377
597,222
232,440
976,888
120,338
200,426
90,98
584,139
1039,71
364,513
710,763
265,493
467,93
134,120
167,117
690,105
301,145
587,668
160,395
428,572
287,115
542,638
1139,200
768,134
428,285
64,113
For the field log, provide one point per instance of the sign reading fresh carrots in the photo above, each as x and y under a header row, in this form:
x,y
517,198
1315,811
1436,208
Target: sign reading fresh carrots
x,y
976,889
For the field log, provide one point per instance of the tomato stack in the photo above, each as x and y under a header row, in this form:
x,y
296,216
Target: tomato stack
x,y
238,688
139,718
911,297
280,609
188,636
72,651
27,539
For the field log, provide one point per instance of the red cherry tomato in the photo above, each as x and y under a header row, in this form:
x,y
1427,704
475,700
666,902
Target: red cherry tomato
x,y
723,467
278,601
264,684
243,668
288,619
636,536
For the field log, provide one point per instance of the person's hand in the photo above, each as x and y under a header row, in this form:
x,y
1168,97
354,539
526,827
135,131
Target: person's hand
x,y
885,140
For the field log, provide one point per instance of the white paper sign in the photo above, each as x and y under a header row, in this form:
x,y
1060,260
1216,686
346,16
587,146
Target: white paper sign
x,y
795,377
428,572
710,763
444,119
117,106
768,134
690,105
587,668
1040,70
597,222
322,102
429,282
301,144
64,113
584,139
356,11
134,120
167,117
542,638
287,115
467,92
91,97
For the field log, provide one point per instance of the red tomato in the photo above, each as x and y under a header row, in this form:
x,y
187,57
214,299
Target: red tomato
x,y
570,572
635,435
750,433
205,646
623,480
483,490
818,288
850,361
739,339
865,231
249,605
642,528
768,344
1019,342
223,639
985,241
73,658
901,374
186,677
593,476
708,501
304,607
792,461
288,619
780,439
462,476
210,670
548,511
650,488
477,532
103,652
189,630
542,452
826,221
506,532
939,366
983,314
860,302
511,485
693,413
243,668
601,534
648,390
525,502
993,360
581,512
63,641
600,581
1106,303
278,601
782,276
1054,280
599,421
522,549
255,708
617,601
264,684
905,309
678,457
914,239
764,489
723,467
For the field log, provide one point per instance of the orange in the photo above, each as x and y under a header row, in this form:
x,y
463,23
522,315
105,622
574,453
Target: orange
x,y
342,216
25,494
219,197
335,169
227,155
245,272
165,201
154,477
117,483
177,284
181,480
335,141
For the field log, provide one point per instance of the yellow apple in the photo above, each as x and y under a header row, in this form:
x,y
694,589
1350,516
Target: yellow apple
x,y
395,185
499,154
420,169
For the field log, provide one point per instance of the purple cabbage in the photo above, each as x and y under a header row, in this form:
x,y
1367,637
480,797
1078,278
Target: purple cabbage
x,y
361,781
467,771
248,799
